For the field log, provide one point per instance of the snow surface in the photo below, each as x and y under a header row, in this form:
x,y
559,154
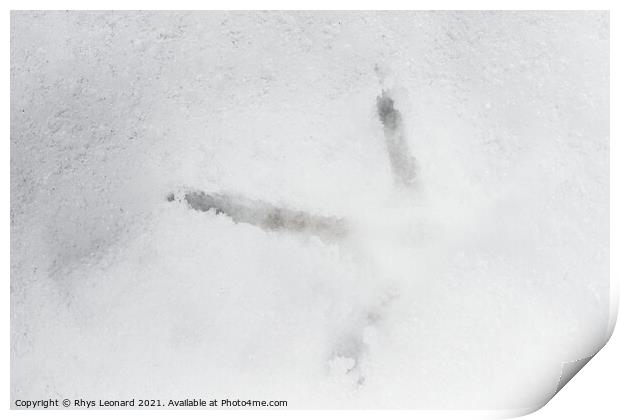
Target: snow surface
x,y
469,290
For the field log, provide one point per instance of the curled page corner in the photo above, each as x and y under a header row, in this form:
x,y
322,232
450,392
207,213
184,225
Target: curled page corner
x,y
570,369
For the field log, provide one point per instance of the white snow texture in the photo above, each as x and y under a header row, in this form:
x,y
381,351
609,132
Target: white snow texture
x,y
467,289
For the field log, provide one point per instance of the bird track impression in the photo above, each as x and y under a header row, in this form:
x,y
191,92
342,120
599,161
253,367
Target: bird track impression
x,y
345,358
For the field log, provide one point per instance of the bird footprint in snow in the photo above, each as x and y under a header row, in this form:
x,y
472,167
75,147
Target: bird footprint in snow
x,y
348,351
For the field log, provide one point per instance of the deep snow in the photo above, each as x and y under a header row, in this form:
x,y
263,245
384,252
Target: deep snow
x,y
468,290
